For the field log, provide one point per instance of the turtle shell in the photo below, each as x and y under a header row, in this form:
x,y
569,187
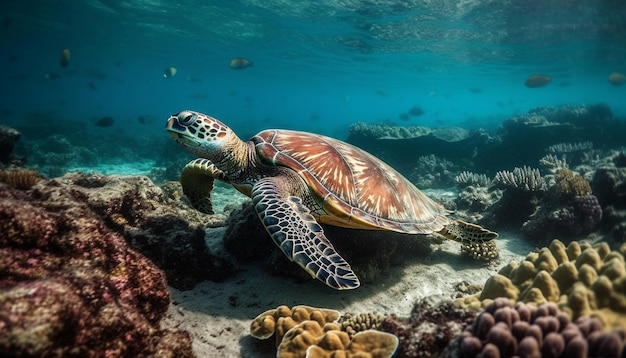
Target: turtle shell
x,y
354,188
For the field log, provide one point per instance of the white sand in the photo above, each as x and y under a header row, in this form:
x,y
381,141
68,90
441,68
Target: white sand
x,y
218,315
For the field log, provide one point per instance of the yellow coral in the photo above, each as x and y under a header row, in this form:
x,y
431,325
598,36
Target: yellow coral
x,y
584,280
280,320
309,339
568,183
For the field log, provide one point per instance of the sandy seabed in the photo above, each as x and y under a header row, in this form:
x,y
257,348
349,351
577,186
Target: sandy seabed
x,y
218,314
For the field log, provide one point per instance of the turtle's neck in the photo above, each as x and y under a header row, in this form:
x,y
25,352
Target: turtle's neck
x,y
238,159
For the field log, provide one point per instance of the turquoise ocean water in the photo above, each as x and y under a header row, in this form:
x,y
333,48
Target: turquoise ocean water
x,y
317,66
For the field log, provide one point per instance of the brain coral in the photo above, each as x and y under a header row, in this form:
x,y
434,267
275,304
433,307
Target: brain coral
x,y
506,329
304,331
584,280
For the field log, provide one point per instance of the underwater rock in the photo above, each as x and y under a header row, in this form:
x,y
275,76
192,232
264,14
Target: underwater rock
x,y
8,139
173,238
71,286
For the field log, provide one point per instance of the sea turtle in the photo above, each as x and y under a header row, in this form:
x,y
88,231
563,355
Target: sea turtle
x,y
297,180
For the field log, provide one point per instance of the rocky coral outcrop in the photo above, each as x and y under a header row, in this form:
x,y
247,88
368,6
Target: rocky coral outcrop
x,y
71,286
153,223
430,327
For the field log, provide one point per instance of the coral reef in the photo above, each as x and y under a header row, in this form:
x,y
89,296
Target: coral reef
x,y
22,179
466,178
353,324
524,179
155,225
431,171
70,286
584,280
570,184
506,329
429,329
276,322
545,127
388,131
306,331
570,147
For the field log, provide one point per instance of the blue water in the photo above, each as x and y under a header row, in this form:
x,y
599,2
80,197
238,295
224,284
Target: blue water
x,y
317,66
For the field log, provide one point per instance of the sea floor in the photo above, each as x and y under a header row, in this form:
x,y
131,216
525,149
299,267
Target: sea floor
x,y
218,314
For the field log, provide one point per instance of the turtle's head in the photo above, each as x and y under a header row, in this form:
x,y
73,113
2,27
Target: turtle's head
x,y
201,135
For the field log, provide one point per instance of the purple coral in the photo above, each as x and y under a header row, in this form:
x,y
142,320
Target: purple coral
x,y
506,329
588,211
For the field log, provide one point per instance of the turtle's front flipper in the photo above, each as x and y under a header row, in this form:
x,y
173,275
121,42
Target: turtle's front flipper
x,y
476,240
292,227
196,179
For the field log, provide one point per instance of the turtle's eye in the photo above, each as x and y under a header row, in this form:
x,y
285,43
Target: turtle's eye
x,y
186,118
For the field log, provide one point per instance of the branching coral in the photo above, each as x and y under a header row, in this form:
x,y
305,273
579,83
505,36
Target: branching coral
x,y
570,147
525,178
466,178
22,179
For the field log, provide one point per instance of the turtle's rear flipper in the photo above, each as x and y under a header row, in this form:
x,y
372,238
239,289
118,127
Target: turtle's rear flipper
x,y
476,241
197,179
293,228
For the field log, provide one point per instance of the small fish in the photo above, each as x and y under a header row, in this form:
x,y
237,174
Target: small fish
x,y
170,72
476,90
617,79
91,86
239,63
52,76
104,122
405,117
66,55
144,118
416,111
538,80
